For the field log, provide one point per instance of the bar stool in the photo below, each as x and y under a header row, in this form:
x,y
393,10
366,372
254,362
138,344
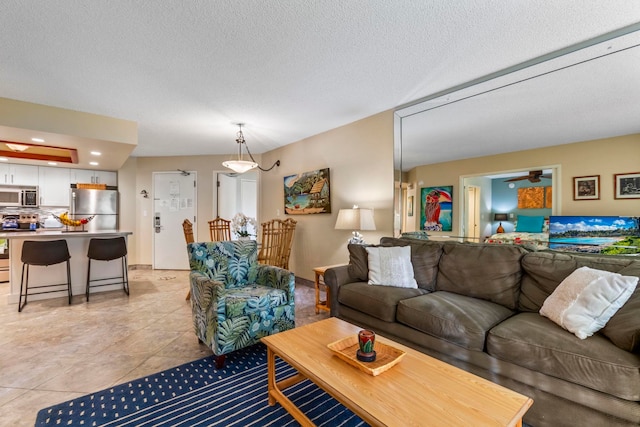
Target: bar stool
x,y
108,250
43,253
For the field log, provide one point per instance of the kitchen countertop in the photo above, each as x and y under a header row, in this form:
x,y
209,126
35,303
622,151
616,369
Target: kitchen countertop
x,y
61,232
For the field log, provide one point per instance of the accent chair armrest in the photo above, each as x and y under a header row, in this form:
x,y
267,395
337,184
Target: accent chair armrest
x,y
276,277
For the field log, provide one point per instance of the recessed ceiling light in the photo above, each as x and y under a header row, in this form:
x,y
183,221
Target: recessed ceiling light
x,y
52,163
96,153
37,139
94,163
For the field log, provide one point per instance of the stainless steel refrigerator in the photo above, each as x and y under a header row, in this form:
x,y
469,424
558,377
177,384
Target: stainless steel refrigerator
x,y
101,203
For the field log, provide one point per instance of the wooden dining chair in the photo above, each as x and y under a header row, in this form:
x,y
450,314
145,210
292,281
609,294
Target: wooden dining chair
x,y
276,242
187,227
220,229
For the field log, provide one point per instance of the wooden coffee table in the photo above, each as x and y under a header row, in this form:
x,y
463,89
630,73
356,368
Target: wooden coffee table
x,y
419,390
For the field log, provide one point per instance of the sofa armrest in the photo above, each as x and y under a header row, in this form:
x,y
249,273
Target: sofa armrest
x,y
334,278
276,277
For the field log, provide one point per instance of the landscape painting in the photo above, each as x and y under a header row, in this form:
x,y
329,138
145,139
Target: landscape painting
x,y
307,193
436,208
610,235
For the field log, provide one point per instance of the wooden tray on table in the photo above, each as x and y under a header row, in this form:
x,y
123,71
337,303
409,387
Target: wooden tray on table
x,y
386,355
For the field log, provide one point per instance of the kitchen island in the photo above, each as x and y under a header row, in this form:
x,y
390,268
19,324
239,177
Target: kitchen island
x,y
78,243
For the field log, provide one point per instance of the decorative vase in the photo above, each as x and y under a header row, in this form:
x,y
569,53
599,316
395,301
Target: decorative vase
x,y
244,238
366,341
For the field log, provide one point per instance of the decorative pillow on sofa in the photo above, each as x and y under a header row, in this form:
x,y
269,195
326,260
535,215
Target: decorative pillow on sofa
x,y
391,266
623,329
586,299
358,263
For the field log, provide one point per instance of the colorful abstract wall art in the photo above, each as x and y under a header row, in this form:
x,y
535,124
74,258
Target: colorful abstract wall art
x,y
436,208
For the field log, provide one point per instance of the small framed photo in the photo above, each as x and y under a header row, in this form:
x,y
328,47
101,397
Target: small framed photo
x,y
586,187
410,206
627,185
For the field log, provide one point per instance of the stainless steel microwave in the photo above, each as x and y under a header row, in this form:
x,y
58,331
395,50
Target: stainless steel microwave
x,y
19,195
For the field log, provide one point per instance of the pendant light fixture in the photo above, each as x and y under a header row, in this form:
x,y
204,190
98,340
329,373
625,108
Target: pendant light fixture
x,y
240,165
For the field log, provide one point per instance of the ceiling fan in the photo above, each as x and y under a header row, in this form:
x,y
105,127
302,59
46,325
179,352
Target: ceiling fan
x,y
534,176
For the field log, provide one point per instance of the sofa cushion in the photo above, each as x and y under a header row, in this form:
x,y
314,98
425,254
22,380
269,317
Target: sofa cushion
x,y
425,256
586,299
623,329
459,319
536,343
377,301
391,267
543,272
489,272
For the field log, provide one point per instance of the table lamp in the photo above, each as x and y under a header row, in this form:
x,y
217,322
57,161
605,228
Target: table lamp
x,y
500,217
355,219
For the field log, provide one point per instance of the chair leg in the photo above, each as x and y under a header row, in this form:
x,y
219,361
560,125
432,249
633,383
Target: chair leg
x,y
69,291
20,306
125,275
220,361
88,277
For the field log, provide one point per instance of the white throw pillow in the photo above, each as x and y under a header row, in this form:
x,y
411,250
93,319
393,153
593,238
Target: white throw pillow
x,y
586,299
391,266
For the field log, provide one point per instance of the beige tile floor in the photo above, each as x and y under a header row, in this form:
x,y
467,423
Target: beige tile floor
x,y
52,351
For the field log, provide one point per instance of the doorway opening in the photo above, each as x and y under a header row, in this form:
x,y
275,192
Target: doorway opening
x,y
236,193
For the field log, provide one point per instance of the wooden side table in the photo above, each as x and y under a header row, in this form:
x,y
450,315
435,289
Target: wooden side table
x,y
319,283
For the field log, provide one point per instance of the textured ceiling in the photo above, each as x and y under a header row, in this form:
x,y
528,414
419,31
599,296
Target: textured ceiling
x,y
187,70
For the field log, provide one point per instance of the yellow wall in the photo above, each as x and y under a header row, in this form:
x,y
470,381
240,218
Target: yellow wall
x,y
360,158
604,157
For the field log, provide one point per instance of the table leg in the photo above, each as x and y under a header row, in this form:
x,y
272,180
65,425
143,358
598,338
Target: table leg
x,y
317,286
275,391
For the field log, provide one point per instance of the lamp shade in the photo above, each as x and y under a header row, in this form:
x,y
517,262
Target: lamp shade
x,y
500,217
355,219
240,166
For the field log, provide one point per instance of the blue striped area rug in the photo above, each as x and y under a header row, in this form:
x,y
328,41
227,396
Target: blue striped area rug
x,y
197,394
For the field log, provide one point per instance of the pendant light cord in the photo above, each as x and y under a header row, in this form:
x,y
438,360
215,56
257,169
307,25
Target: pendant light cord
x,y
277,163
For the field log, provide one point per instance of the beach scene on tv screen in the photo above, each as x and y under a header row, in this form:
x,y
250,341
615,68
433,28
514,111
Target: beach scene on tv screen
x,y
612,235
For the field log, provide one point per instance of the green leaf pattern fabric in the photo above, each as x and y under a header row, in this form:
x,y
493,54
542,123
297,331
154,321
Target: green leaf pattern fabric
x,y
234,300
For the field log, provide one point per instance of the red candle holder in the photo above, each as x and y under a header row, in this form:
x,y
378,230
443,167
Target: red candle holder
x,y
366,341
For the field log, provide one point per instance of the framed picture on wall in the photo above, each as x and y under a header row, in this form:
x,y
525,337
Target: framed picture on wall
x,y
436,208
627,185
410,206
586,187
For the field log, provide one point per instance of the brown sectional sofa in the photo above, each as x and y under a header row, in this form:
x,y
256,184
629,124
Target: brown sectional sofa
x,y
476,307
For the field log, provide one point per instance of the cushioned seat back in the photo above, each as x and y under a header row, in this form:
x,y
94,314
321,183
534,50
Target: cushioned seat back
x,y
107,249
489,272
229,262
425,256
543,272
45,252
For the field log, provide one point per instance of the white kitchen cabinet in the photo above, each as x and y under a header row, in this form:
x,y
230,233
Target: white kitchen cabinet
x,y
18,174
54,185
85,176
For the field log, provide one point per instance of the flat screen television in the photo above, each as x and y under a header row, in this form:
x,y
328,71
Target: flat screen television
x,y
612,235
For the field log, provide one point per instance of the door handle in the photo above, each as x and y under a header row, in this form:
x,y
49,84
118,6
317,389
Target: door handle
x,y
156,221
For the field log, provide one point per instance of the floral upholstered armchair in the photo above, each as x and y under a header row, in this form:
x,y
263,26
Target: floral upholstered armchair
x,y
234,300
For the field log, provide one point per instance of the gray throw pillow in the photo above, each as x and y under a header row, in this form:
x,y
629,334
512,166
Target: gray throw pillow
x,y
623,329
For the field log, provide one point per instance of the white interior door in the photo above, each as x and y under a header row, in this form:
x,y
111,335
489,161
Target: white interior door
x,y
473,213
237,193
174,200
227,196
